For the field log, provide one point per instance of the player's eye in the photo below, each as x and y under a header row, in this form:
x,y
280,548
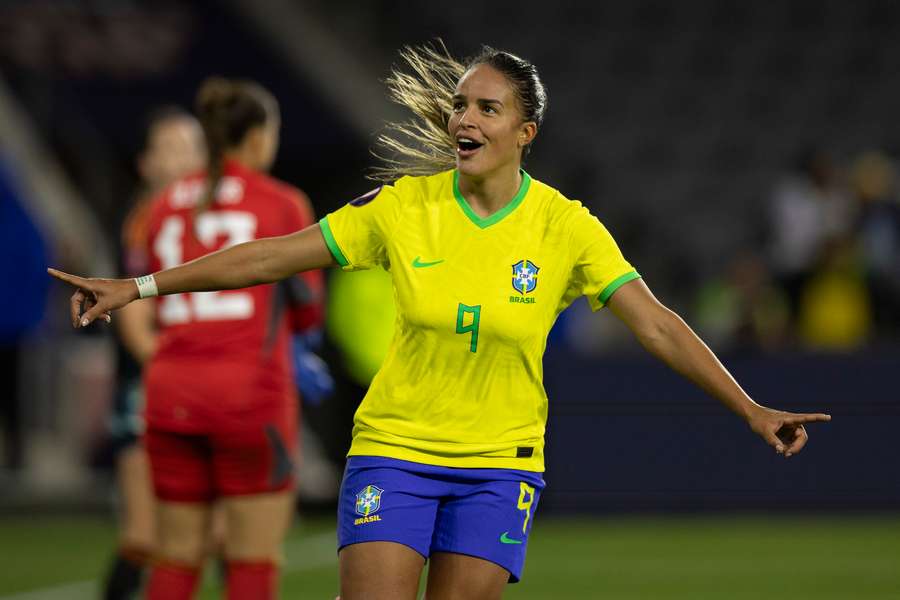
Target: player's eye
x,y
487,108
459,106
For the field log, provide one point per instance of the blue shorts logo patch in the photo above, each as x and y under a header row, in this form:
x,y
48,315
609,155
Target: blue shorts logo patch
x,y
368,501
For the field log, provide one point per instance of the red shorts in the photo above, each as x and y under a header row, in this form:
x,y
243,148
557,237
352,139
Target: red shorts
x,y
189,467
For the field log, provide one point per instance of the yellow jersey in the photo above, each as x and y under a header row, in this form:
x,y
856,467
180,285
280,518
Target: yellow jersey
x,y
462,382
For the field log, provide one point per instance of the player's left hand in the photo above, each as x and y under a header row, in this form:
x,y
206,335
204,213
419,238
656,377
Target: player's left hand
x,y
311,373
782,430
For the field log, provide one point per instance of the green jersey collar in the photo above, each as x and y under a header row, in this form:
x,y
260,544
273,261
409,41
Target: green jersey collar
x,y
484,222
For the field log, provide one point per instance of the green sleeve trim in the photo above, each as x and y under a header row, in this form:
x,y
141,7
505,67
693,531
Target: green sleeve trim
x,y
485,222
615,284
332,243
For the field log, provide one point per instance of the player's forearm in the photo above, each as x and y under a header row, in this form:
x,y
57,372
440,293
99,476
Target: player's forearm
x,y
672,341
236,267
252,263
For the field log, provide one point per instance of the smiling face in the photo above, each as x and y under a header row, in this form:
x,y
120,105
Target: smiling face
x,y
487,123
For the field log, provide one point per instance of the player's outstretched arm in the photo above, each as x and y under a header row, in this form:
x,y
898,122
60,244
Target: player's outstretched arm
x,y
252,263
668,337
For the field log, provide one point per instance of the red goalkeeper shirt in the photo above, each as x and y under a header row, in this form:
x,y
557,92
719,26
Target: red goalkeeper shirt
x,y
223,360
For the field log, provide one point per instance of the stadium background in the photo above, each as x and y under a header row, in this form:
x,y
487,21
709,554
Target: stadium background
x,y
703,133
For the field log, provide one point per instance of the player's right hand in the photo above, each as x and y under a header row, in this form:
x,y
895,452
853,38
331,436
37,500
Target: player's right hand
x,y
783,430
95,297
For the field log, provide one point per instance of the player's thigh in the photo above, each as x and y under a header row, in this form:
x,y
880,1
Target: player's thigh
x,y
182,531
181,471
489,520
380,571
136,491
254,477
256,525
379,502
215,539
386,517
460,577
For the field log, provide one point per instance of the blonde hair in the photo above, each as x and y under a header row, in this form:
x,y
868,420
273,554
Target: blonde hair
x,y
422,144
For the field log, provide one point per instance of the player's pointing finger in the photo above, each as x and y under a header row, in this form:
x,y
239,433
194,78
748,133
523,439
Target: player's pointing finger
x,y
806,418
79,282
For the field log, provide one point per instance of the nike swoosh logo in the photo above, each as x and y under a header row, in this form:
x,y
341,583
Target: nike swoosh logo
x,y
417,263
504,539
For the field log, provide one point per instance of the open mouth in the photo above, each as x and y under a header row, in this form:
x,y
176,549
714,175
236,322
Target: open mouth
x,y
467,147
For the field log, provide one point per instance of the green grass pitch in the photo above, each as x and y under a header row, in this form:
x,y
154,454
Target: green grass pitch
x,y
620,558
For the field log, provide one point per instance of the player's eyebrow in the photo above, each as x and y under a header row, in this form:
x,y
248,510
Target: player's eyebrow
x,y
480,100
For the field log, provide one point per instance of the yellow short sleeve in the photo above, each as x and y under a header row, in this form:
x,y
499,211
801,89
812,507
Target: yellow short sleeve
x,y
599,267
357,234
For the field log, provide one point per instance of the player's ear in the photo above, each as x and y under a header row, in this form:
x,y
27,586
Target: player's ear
x,y
527,133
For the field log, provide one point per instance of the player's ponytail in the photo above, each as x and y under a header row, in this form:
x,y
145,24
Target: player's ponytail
x,y
227,110
422,145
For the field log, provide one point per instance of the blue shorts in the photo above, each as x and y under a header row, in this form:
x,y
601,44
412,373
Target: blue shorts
x,y
486,513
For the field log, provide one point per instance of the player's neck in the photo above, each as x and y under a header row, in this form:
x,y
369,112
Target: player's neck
x,y
486,195
244,156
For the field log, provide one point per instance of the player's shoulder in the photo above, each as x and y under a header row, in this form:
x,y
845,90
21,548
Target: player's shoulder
x,y
555,206
133,226
282,206
407,192
171,199
562,214
425,188
265,186
138,211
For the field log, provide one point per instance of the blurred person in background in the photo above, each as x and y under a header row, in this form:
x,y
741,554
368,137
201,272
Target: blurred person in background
x,y
447,456
834,311
172,147
874,178
221,407
808,207
849,292
743,310
25,254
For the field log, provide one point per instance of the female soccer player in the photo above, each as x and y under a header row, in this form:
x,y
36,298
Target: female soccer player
x,y
173,148
447,449
221,410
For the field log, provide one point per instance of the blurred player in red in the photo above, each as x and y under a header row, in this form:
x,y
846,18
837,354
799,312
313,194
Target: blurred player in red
x,y
221,412
172,148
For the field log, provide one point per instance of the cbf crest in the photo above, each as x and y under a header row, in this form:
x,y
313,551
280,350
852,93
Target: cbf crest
x,y
524,276
368,500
